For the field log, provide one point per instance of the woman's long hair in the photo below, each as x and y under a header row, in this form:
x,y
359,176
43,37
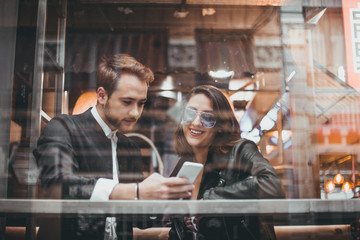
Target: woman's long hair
x,y
228,130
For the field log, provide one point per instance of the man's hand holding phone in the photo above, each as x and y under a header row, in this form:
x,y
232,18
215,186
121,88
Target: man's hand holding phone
x,y
190,171
158,187
180,187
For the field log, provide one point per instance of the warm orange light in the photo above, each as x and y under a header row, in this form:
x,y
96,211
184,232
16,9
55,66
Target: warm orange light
x,y
338,179
85,101
347,186
208,11
330,186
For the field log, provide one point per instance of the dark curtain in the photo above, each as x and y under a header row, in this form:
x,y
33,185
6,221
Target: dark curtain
x,y
224,49
84,50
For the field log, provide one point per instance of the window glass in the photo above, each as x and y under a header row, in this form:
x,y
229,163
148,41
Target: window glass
x,y
289,70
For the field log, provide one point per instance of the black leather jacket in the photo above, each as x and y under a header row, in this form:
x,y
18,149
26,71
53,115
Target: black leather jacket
x,y
243,173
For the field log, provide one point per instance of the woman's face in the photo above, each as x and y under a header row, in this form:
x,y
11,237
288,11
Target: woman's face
x,y
196,134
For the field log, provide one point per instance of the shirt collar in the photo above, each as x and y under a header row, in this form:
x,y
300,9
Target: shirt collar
x,y
101,122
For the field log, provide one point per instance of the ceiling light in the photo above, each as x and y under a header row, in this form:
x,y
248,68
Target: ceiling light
x,y
338,179
181,14
126,11
167,88
168,84
347,186
221,74
208,11
330,186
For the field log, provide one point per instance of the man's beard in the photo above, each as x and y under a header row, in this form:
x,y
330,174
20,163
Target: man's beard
x,y
115,122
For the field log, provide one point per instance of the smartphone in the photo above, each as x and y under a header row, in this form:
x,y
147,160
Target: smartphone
x,y
190,170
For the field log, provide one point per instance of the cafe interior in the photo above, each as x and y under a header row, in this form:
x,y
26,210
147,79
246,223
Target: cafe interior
x,y
289,67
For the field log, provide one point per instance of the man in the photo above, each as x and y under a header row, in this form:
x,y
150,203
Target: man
x,y
87,156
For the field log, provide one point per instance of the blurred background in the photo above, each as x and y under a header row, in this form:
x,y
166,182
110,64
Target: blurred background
x,y
290,69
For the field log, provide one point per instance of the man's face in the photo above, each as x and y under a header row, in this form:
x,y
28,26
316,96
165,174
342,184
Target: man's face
x,y
125,105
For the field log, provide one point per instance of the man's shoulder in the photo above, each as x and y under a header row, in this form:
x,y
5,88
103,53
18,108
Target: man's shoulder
x,y
71,121
78,117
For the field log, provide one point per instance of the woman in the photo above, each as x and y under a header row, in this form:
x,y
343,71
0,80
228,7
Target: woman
x,y
233,168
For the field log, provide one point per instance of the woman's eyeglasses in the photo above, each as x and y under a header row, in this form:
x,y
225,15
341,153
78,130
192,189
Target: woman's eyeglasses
x,y
207,119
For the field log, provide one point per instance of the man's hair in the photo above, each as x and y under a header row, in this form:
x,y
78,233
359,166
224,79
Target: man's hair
x,y
111,67
228,129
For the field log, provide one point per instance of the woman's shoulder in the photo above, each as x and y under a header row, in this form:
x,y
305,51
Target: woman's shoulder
x,y
242,142
244,146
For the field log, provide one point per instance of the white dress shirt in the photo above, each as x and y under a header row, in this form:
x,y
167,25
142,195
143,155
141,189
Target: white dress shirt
x,y
104,186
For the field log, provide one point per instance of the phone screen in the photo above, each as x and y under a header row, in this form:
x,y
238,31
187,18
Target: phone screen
x,y
190,170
